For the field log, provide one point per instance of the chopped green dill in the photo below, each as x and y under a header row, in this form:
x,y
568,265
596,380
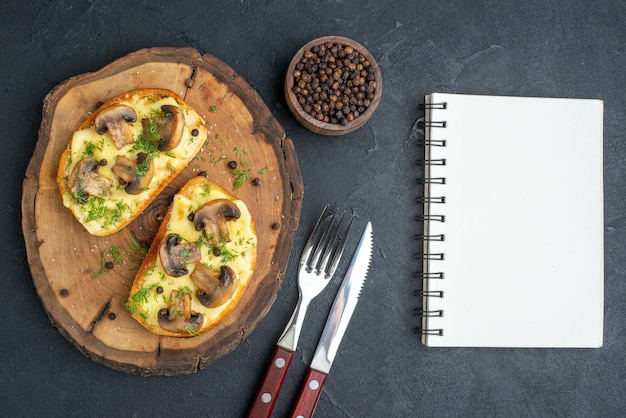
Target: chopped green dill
x,y
139,298
143,167
262,171
103,268
80,197
213,161
228,256
148,141
191,330
90,149
206,190
240,176
186,255
240,153
136,310
134,245
174,313
213,109
156,296
225,253
137,253
146,144
115,253
97,209
182,291
201,242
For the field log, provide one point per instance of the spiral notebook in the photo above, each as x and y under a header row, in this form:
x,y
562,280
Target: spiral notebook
x,y
513,222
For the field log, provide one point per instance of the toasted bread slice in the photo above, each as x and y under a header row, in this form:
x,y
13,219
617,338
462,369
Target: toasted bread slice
x,y
124,154
199,263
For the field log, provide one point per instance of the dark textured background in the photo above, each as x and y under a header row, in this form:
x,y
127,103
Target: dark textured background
x,y
537,48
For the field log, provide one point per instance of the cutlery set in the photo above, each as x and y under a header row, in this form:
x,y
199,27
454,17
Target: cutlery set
x,y
318,262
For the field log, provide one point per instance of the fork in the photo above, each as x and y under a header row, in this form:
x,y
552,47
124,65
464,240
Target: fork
x,y
318,263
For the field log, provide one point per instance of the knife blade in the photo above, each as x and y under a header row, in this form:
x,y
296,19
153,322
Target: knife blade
x,y
336,325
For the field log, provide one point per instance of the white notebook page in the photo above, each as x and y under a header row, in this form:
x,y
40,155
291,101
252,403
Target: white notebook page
x,y
523,249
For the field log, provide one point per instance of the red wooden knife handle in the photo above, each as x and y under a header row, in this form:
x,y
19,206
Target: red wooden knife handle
x,y
309,394
272,381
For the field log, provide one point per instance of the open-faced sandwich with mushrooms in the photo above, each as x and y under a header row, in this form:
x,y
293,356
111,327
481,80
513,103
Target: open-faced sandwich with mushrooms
x,y
124,154
199,263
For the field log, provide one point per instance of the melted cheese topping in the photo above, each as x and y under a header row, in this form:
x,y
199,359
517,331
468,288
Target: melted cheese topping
x,y
153,287
102,216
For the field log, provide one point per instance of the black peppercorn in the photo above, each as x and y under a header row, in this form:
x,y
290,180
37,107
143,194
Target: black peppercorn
x,y
333,76
232,164
275,226
159,289
217,252
203,173
191,216
64,293
256,181
112,316
109,265
103,162
194,132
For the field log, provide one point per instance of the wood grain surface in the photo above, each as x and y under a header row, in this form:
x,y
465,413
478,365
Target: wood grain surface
x,y
85,300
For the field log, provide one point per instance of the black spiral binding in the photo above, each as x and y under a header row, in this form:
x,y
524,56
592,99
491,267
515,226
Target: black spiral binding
x,y
430,217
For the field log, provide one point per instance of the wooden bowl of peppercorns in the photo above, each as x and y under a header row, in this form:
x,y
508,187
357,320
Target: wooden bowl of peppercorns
x,y
333,85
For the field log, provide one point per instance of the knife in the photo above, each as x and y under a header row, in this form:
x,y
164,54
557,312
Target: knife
x,y
336,324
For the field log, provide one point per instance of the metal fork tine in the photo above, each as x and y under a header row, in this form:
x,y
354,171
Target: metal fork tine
x,y
313,264
339,251
330,245
309,243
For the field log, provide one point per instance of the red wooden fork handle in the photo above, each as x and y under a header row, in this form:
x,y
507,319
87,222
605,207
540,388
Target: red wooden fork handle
x,y
265,398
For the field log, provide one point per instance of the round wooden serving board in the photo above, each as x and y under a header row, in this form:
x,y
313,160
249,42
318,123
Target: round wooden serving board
x,y
86,301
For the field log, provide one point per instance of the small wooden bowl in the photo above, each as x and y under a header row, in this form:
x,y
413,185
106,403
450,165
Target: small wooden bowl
x,y
328,128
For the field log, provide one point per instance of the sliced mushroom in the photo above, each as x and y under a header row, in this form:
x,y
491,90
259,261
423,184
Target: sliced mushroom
x,y
179,318
172,128
169,127
115,120
213,217
84,179
136,175
214,290
175,256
